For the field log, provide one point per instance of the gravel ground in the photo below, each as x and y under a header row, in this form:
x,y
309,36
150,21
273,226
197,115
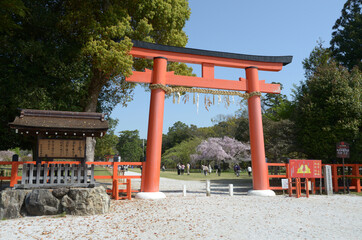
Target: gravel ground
x,y
197,216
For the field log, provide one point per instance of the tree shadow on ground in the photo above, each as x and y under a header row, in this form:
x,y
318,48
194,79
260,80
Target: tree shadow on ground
x,y
240,186
221,187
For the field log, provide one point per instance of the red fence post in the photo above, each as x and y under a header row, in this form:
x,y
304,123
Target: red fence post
x,y
307,187
356,181
143,166
129,196
14,170
115,181
313,184
290,187
335,178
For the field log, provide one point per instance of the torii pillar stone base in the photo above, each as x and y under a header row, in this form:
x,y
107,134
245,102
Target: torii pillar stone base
x,y
261,193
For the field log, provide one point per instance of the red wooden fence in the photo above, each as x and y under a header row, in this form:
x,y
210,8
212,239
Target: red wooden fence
x,y
14,178
353,169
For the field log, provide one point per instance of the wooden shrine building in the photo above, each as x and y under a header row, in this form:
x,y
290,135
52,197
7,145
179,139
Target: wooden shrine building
x,y
59,134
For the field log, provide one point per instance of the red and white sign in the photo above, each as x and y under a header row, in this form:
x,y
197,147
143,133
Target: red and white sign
x,y
342,150
303,168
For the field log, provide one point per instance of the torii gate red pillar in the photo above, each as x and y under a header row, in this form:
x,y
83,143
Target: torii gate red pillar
x,y
260,168
150,189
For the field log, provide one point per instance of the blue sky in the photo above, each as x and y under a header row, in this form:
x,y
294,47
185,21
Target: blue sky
x,y
258,27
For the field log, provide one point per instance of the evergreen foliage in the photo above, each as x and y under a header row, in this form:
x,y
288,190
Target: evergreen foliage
x,y
328,110
129,146
73,55
346,39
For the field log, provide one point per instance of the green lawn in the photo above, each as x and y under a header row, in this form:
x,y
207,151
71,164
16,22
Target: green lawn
x,y
198,176
356,193
101,171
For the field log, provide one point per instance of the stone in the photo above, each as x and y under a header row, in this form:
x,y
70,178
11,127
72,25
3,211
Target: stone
x,y
42,202
11,203
15,203
60,192
68,205
86,201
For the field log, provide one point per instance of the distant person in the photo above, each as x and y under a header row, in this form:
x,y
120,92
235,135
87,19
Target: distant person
x,y
188,168
210,169
237,170
182,169
178,166
205,169
249,171
163,168
217,169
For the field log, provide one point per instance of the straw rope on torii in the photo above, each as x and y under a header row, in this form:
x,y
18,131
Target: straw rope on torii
x,y
170,90
207,102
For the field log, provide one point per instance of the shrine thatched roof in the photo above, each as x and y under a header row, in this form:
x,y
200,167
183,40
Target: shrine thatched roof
x,y
46,122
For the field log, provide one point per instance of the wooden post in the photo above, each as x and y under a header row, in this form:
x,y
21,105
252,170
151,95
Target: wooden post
x,y
208,192
129,189
298,186
335,178
344,178
307,187
356,181
14,170
143,167
313,185
115,190
231,190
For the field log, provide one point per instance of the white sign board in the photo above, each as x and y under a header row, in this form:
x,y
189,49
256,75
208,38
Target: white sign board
x,y
285,183
328,179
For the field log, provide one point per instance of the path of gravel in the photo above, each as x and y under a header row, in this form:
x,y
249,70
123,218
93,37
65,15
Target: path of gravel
x,y
199,217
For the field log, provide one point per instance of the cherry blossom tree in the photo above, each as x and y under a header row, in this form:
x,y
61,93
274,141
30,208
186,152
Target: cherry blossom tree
x,y
224,149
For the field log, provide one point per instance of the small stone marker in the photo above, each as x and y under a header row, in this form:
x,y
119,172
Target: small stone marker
x,y
208,193
231,190
184,191
328,179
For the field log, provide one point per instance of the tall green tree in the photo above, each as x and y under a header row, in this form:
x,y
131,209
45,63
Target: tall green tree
x,y
346,39
280,140
39,67
328,110
177,133
130,146
73,55
107,145
225,125
180,153
9,9
276,106
104,30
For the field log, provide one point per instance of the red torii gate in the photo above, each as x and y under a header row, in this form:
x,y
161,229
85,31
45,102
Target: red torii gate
x,y
208,59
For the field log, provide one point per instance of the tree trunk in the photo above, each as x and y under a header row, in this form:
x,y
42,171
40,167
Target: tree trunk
x,y
95,87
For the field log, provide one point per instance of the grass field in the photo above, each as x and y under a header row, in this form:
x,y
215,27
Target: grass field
x,y
101,171
198,176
